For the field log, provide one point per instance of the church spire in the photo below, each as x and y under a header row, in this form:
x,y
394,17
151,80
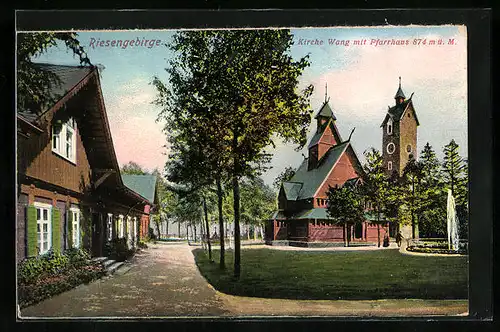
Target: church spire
x,y
326,91
400,96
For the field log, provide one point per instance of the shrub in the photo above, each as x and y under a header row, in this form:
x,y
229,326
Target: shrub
x,y
50,274
118,250
142,244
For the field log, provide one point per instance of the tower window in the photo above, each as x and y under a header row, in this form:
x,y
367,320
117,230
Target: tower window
x,y
408,148
389,165
389,127
391,148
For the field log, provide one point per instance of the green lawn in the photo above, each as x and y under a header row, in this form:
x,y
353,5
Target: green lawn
x,y
356,275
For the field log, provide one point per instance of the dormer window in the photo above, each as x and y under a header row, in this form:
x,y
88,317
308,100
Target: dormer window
x,y
64,140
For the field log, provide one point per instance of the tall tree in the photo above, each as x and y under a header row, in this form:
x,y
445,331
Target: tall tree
x,y
235,90
374,188
33,82
345,207
454,172
193,107
258,202
455,178
413,193
262,80
432,221
133,168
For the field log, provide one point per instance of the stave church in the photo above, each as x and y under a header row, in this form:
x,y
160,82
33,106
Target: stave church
x,y
302,218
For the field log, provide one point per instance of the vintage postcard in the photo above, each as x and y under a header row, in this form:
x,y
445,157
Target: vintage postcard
x,y
242,172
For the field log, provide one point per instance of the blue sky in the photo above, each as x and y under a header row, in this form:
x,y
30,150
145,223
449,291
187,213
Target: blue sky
x,y
362,81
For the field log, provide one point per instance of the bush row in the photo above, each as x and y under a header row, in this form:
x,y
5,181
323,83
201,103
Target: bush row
x,y
33,268
49,286
435,250
53,273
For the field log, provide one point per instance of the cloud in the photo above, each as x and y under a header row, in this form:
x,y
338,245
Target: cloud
x,y
365,82
139,139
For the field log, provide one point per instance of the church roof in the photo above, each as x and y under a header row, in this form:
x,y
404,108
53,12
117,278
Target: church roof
x,y
395,112
292,190
319,213
311,180
319,133
325,111
315,139
400,93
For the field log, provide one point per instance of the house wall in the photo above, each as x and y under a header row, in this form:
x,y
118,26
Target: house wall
x,y
392,138
342,172
28,196
372,232
326,141
22,202
323,232
144,224
408,136
36,159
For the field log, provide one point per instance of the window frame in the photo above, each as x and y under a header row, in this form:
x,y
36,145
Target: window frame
x,y
389,127
61,148
75,221
41,222
110,226
121,232
391,144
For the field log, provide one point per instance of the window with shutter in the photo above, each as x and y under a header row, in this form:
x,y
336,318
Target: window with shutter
x,y
44,222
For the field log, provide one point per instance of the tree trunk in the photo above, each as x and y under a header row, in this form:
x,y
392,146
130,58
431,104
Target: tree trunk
x,y
166,230
236,207
194,232
207,226
248,231
179,229
261,228
187,232
378,229
255,232
348,234
344,230
220,199
158,229
378,235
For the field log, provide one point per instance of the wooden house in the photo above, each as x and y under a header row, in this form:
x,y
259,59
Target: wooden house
x,y
70,192
302,216
146,186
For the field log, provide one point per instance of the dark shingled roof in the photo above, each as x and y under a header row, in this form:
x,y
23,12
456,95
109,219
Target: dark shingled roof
x,y
69,76
395,112
292,190
315,139
319,213
312,179
144,185
400,93
325,111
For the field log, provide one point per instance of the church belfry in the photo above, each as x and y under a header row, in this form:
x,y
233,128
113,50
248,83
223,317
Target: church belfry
x,y
399,133
326,136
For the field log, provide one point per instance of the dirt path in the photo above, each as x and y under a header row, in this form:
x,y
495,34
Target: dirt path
x,y
163,280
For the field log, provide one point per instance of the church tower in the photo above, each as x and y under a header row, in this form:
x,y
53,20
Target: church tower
x,y
399,134
326,136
